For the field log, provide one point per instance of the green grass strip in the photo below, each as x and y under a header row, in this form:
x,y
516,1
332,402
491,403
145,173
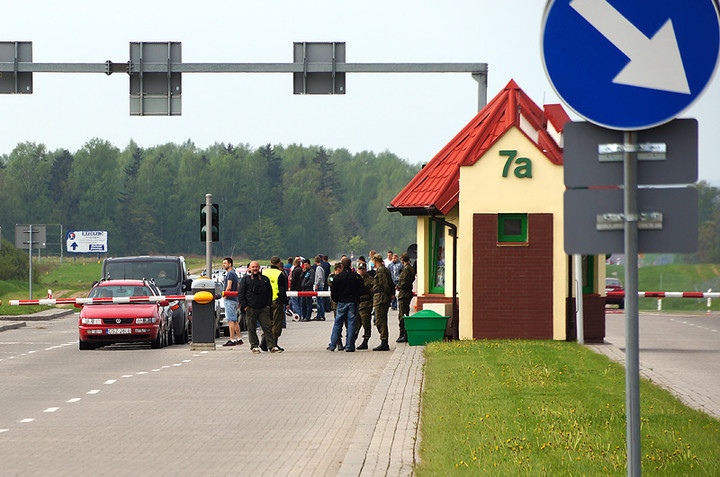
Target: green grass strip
x,y
512,407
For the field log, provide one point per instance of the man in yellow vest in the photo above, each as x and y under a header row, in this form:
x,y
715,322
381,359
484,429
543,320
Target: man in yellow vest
x,y
279,281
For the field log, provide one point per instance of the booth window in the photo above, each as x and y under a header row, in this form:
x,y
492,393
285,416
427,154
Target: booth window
x,y
512,228
437,258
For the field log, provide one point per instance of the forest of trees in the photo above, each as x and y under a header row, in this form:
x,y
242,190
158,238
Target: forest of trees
x,y
274,200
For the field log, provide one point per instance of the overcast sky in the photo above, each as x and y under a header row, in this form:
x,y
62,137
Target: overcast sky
x,y
410,115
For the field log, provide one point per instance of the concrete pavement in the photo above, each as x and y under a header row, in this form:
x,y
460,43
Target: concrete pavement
x,y
680,353
307,411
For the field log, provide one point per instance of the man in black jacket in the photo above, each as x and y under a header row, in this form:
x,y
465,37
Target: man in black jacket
x,y
346,289
256,296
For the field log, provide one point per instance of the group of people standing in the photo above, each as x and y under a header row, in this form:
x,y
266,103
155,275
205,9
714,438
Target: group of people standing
x,y
355,295
263,299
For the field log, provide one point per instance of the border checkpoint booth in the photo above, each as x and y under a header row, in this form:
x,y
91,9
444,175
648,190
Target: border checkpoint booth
x,y
489,210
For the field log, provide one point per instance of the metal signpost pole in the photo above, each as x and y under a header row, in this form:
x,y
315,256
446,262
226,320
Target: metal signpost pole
x,y
580,319
632,359
208,235
30,242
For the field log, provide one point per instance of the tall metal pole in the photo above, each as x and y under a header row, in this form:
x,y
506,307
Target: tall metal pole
x,y
580,317
208,234
61,243
30,242
632,359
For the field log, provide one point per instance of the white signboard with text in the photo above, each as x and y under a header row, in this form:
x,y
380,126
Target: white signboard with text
x,y
86,241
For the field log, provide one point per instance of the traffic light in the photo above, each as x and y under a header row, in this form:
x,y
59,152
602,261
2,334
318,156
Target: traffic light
x,y
215,222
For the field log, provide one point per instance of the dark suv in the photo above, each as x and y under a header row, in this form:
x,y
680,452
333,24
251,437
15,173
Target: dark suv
x,y
170,275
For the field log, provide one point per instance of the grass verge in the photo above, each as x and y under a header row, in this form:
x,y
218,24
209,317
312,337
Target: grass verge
x,y
70,278
549,408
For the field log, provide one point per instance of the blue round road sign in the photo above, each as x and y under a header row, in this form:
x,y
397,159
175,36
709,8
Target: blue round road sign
x,y
630,64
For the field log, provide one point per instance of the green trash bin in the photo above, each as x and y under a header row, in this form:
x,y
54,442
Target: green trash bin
x,y
425,326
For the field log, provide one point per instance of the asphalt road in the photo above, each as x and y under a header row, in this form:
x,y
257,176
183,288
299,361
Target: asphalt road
x,y
678,352
132,410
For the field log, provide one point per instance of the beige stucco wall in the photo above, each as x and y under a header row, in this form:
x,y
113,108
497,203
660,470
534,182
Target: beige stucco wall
x,y
483,189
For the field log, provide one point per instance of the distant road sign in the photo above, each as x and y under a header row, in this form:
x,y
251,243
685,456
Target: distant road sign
x,y
86,241
630,65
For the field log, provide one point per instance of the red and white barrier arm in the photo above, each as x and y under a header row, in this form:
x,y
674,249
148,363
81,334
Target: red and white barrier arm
x,y
290,293
86,301
669,294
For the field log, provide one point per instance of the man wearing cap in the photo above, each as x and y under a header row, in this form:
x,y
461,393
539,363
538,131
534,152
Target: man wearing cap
x,y
405,294
365,305
383,290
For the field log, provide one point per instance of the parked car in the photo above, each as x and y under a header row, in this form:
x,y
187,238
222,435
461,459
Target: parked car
x,y
107,323
170,275
614,285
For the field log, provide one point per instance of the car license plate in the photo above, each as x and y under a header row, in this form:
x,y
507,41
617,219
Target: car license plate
x,y
119,331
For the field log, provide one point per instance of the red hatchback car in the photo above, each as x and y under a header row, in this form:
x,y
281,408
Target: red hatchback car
x,y
106,323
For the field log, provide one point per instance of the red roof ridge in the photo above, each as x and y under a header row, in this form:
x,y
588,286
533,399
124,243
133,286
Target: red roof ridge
x,y
436,188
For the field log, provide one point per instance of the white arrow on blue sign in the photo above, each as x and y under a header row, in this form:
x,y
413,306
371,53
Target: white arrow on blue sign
x,y
630,64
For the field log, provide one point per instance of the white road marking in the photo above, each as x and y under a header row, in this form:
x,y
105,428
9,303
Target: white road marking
x,y
29,419
165,367
126,376
4,430
48,349
141,372
31,352
51,409
73,400
93,391
156,370
177,364
11,357
204,352
110,381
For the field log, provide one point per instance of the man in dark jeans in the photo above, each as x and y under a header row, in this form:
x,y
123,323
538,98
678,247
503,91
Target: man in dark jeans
x,y
308,280
256,296
346,289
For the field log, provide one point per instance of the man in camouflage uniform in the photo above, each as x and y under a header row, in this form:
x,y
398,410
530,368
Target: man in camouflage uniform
x,y
383,289
405,294
365,305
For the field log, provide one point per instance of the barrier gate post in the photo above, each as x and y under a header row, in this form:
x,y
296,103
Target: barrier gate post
x,y
203,314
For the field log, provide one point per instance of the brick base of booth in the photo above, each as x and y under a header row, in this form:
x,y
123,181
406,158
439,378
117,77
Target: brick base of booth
x,y
593,318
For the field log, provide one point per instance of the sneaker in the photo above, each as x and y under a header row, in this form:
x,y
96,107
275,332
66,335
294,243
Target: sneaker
x,y
263,346
319,318
256,350
277,349
230,343
331,348
238,342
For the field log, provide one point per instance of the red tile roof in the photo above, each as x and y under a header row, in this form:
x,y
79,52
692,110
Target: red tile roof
x,y
436,188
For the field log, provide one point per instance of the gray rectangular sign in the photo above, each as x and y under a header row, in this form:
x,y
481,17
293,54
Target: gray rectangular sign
x,y
22,236
678,206
330,82
155,94
12,52
588,163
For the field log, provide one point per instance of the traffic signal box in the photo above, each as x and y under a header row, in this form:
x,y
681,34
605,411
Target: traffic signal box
x,y
215,222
